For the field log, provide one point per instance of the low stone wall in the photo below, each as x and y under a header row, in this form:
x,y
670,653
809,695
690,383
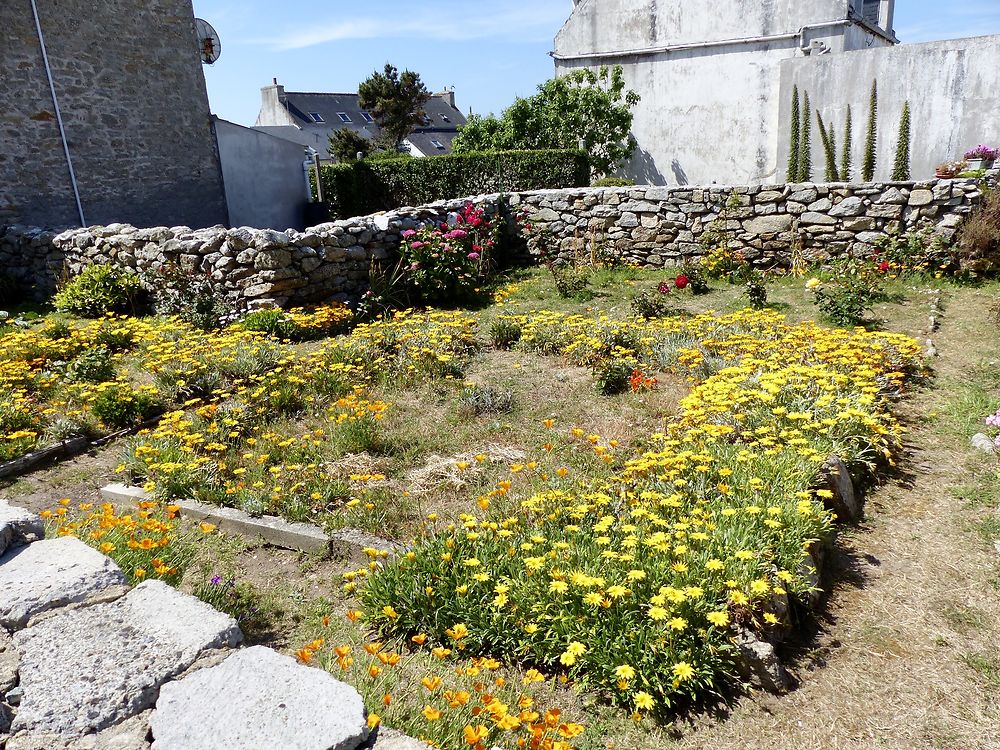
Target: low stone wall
x,y
655,227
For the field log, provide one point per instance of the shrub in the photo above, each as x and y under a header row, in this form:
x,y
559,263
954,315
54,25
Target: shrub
x,y
755,289
254,612
272,322
655,304
478,400
612,182
100,290
122,406
364,187
691,277
92,366
979,238
504,333
572,282
720,262
915,252
445,265
614,375
853,287
189,295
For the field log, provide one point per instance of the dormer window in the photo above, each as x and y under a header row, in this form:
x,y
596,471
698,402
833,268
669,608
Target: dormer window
x,y
344,117
316,117
871,10
438,145
368,117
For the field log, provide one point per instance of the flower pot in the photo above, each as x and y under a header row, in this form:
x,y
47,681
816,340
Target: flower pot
x,y
945,175
975,164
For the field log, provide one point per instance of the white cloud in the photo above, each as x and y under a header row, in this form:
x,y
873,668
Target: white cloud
x,y
508,20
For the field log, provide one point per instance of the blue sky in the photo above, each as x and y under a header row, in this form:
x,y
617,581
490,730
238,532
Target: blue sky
x,y
490,50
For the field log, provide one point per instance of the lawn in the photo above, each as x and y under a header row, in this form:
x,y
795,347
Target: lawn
x,y
596,502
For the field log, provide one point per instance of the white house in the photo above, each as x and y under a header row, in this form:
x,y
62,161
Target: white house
x,y
716,76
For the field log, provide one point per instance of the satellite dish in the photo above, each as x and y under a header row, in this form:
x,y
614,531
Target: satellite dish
x,y
208,41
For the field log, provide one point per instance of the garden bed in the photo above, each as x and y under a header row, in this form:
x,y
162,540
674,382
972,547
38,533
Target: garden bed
x,y
478,433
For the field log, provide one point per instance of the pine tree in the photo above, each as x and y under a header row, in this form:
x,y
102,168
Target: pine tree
x,y
845,157
829,149
805,142
793,146
901,167
868,166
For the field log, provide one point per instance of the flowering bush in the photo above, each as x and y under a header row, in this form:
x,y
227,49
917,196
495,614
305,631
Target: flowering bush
x,y
470,703
99,290
446,264
986,153
916,253
636,581
853,286
143,543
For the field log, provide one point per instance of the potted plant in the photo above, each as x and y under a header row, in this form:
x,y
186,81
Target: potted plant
x,y
981,157
950,169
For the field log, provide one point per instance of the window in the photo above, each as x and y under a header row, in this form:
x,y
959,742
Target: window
x,y
446,118
344,117
438,145
316,117
870,11
368,117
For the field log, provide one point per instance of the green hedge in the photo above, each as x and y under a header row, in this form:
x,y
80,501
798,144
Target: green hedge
x,y
360,188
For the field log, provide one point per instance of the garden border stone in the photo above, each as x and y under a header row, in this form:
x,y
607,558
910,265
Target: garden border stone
x,y
301,537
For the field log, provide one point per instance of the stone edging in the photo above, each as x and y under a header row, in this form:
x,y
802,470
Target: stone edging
x,y
301,537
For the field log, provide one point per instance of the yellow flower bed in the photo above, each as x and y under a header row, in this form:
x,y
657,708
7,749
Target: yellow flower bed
x,y
635,582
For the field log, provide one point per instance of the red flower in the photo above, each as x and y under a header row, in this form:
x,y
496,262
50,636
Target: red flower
x,y
681,281
664,287
883,266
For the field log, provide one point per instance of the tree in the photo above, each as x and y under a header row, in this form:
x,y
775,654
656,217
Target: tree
x,y
793,147
582,108
868,165
829,139
845,159
345,145
805,141
901,166
396,102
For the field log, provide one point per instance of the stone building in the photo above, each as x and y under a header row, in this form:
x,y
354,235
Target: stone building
x,y
716,80
121,98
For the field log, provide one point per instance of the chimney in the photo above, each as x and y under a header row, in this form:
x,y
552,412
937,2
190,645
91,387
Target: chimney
x,y
272,106
448,95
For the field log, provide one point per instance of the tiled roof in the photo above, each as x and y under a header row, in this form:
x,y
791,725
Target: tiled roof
x,y
442,120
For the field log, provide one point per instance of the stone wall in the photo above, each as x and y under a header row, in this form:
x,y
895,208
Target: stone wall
x,y
130,86
654,227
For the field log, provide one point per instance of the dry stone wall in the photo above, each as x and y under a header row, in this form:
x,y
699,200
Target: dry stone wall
x,y
654,227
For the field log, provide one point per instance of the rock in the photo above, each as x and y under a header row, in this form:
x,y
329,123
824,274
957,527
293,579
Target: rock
x,y
6,717
88,669
852,206
628,220
768,224
984,443
8,664
921,197
807,196
768,196
811,217
758,662
258,698
390,739
893,196
844,501
18,527
545,214
821,206
129,735
52,573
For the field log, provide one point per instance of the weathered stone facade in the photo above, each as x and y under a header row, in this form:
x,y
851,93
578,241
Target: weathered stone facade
x,y
654,227
132,95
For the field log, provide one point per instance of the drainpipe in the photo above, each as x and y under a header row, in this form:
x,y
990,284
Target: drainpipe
x,y
59,120
643,52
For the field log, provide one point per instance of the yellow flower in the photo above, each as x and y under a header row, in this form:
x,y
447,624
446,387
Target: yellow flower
x,y
644,701
683,671
624,672
812,283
